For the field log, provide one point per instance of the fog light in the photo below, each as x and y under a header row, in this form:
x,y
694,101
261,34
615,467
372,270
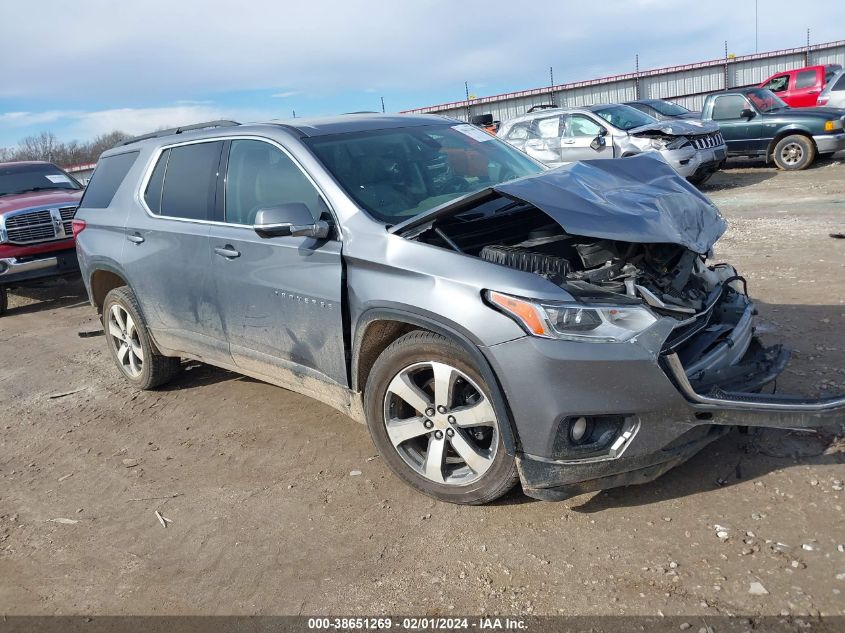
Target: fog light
x,y
578,429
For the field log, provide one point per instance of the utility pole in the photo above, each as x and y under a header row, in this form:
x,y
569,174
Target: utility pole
x,y
637,80
294,114
466,89
807,51
726,65
552,85
382,105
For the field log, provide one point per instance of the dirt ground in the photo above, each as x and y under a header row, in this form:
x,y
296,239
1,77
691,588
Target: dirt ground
x,y
269,515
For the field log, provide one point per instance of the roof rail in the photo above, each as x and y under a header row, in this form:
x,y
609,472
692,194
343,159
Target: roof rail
x,y
179,130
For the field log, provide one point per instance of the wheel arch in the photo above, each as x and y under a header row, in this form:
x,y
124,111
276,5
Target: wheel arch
x,y
789,131
379,327
101,281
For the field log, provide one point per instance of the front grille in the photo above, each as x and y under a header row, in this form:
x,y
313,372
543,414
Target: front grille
x,y
706,141
43,225
67,214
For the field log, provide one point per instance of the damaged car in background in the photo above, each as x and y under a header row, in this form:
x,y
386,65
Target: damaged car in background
x,y
490,320
695,149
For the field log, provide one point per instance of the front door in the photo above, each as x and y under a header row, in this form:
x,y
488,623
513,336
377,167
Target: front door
x,y
584,139
167,255
742,134
279,297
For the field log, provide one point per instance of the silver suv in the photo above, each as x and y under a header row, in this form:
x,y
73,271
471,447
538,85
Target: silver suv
x,y
491,321
694,148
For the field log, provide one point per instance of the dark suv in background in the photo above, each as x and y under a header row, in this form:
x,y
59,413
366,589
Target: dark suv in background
x,y
490,320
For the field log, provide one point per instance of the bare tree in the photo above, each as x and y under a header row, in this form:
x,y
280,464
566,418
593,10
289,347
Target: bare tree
x,y
47,147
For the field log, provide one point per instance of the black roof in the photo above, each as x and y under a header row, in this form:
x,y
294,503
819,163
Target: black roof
x,y
359,122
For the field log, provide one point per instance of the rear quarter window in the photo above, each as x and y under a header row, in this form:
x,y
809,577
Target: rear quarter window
x,y
106,180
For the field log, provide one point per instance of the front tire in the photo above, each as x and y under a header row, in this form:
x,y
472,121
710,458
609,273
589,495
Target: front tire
x,y
431,418
130,344
795,152
4,300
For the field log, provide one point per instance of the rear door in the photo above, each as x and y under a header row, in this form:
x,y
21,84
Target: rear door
x,y
808,86
167,251
741,134
280,297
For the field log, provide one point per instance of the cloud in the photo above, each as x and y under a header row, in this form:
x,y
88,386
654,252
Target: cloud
x,y
146,52
285,95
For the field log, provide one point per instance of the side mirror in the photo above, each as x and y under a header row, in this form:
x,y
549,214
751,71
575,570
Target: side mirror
x,y
747,113
603,131
292,219
598,142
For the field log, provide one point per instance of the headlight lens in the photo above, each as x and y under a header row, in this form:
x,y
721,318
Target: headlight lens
x,y
657,143
595,324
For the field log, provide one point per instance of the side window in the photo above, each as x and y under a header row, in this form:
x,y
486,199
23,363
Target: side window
x,y
840,83
778,84
190,181
519,132
152,195
729,107
582,126
549,127
107,177
805,79
260,175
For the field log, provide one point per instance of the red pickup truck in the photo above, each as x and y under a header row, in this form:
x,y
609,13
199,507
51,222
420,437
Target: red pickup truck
x,y
800,88
37,204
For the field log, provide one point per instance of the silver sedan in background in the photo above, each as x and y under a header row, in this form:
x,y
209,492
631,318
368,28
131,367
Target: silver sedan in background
x,y
695,149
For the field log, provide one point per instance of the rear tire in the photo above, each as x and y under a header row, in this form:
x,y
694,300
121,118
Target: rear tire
x,y
4,300
431,418
130,344
794,153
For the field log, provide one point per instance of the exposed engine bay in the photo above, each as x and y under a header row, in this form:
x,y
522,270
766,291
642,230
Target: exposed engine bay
x,y
714,335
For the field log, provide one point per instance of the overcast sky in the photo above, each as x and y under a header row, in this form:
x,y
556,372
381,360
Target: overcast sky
x,y
84,67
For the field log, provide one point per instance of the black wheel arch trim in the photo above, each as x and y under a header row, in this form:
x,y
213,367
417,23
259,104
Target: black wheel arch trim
x,y
452,331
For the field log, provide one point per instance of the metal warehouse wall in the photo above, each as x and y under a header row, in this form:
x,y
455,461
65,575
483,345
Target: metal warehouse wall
x,y
686,84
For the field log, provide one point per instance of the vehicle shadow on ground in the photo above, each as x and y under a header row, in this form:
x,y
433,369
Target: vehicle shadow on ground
x,y
56,293
728,179
735,458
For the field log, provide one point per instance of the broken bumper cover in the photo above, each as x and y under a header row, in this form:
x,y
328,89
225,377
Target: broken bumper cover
x,y
643,401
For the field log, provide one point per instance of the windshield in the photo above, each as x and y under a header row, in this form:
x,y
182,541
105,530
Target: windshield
x,y
765,100
34,177
668,108
398,173
624,117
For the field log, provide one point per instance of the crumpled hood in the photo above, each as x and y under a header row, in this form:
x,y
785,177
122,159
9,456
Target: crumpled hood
x,y
677,127
640,199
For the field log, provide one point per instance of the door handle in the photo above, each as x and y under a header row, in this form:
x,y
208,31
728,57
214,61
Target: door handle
x,y
135,238
227,251
568,141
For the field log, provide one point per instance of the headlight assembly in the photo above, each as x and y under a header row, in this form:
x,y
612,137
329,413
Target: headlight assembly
x,y
574,322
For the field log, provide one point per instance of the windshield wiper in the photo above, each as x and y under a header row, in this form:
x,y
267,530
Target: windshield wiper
x,y
31,189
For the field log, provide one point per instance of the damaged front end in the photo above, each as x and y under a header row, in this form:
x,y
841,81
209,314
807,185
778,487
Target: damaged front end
x,y
631,233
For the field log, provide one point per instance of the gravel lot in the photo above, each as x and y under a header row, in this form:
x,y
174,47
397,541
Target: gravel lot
x,y
270,516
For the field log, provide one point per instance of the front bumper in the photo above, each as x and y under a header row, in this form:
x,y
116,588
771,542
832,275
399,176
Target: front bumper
x,y
827,143
660,411
689,162
19,270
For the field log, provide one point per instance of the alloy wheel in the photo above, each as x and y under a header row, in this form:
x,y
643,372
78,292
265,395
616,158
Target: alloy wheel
x,y
792,153
123,334
441,423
